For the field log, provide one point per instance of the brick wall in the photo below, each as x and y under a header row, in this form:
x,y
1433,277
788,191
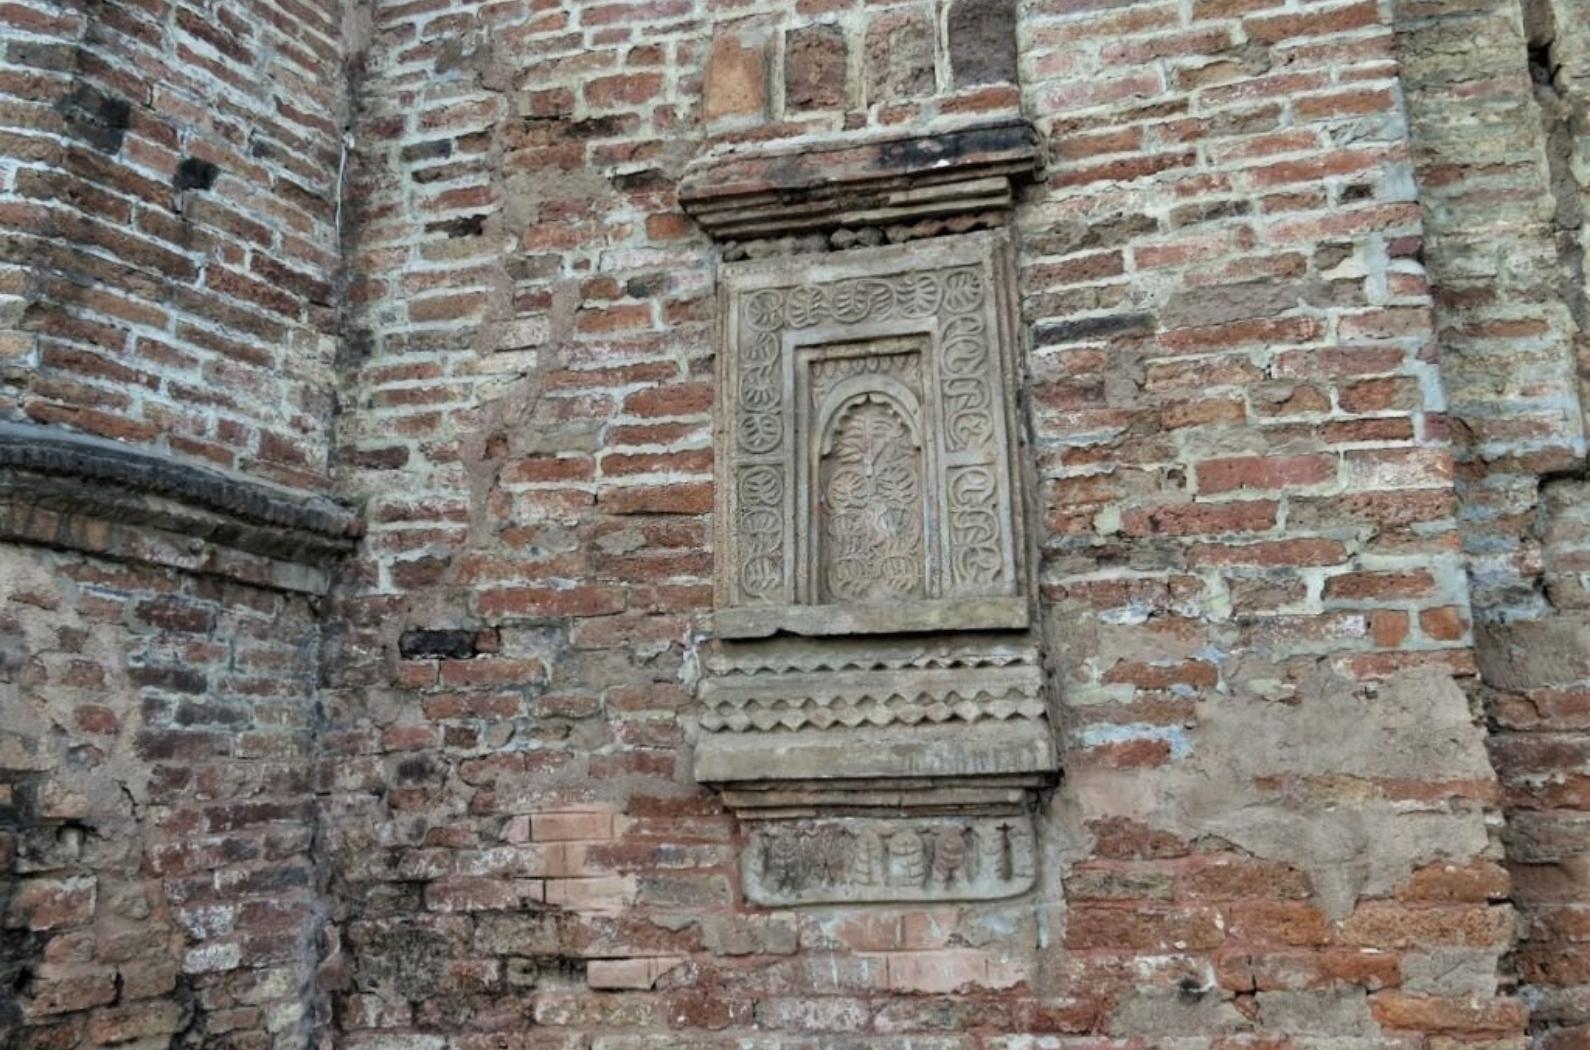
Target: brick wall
x,y
1278,825
1497,101
155,807
168,257
169,212
1303,310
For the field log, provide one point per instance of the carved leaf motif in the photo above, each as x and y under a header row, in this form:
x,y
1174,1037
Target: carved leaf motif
x,y
963,291
872,506
949,855
761,403
918,294
867,863
805,306
975,549
908,861
855,301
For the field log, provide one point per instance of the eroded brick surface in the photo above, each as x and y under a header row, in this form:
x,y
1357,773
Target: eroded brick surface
x,y
1504,199
170,223
156,808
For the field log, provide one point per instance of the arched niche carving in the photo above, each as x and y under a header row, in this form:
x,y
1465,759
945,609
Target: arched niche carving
x,y
873,537
926,331
873,636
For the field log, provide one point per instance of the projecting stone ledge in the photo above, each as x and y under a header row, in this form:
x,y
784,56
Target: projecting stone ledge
x,y
926,176
897,724
65,489
932,757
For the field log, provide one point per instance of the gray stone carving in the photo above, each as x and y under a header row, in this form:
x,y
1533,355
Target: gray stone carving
x,y
861,860
773,688
866,445
874,651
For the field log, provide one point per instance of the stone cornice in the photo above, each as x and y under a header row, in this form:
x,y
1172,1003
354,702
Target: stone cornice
x,y
847,182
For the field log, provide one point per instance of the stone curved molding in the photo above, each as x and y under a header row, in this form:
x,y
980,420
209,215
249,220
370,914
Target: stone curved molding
x,y
43,450
51,480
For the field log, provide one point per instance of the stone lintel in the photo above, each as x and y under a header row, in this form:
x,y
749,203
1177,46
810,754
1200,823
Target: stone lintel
x,y
958,752
79,491
932,174
899,618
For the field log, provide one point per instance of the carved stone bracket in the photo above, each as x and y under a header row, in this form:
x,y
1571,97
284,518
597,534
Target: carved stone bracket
x,y
75,490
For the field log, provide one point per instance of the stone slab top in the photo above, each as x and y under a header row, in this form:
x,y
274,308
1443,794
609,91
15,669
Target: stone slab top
x,y
773,190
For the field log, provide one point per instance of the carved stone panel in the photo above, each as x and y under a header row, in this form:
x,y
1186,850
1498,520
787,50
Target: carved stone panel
x,y
844,684
860,860
865,447
873,650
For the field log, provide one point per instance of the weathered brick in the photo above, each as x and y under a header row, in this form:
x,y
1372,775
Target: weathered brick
x,y
737,74
816,66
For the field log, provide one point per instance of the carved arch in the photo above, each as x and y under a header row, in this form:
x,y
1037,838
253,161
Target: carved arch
x,y
873,540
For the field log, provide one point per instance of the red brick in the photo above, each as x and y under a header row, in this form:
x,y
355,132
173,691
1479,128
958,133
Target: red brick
x,y
46,904
1437,1014
622,91
1194,519
1264,472
1385,924
548,601
1379,586
736,81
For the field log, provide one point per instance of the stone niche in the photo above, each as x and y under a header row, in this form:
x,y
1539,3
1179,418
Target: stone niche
x,y
873,590
874,648
873,697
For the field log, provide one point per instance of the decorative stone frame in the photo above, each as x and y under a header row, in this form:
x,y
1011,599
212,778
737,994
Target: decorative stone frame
x,y
923,691
873,699
944,309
